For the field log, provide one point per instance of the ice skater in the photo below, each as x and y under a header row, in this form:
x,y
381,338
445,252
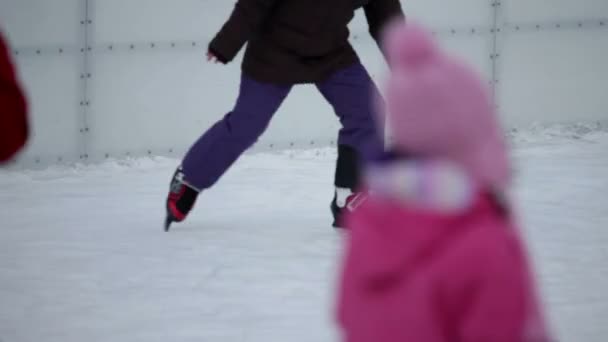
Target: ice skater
x,y
434,253
290,42
14,129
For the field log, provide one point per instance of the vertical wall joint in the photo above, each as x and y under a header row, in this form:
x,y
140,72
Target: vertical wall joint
x,y
85,75
495,53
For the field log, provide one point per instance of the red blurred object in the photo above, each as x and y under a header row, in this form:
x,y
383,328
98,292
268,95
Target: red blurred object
x,y
14,129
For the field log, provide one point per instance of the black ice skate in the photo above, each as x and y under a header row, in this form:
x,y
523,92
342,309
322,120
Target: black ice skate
x,y
181,199
346,181
345,201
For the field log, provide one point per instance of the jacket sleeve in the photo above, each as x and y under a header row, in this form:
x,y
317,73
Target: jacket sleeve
x,y
13,109
379,13
245,20
504,307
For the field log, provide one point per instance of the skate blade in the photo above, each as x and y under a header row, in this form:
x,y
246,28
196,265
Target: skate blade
x,y
168,222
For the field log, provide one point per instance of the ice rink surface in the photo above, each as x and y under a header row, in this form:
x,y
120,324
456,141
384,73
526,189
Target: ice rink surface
x,y
83,256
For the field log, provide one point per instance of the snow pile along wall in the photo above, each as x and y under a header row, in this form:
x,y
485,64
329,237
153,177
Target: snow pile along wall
x,y
113,78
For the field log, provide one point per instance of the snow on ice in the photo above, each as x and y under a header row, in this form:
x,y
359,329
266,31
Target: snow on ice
x,y
83,256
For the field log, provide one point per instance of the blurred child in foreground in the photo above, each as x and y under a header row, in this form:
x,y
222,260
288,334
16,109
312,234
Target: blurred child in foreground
x,y
434,253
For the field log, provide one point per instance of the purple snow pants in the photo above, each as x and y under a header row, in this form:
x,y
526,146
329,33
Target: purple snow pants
x,y
349,91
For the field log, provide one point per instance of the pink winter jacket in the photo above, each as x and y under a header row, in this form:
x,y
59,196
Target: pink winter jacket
x,y
416,275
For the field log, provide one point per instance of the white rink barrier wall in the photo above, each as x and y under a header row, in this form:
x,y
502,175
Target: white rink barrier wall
x,y
116,78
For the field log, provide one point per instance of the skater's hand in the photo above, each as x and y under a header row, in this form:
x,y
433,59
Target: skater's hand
x,y
211,57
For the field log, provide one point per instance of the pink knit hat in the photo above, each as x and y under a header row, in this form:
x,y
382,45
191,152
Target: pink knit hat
x,y
438,107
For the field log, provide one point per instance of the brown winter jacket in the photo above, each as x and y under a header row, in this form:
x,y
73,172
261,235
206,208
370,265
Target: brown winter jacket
x,y
296,41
